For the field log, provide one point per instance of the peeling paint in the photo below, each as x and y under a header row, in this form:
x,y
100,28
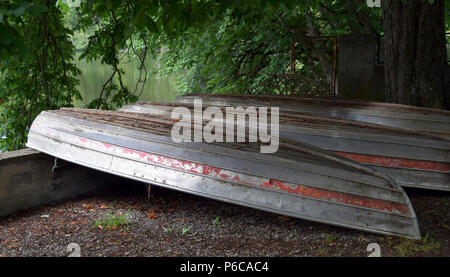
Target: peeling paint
x,y
398,162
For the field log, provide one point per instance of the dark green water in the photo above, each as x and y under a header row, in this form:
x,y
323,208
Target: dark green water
x,y
94,75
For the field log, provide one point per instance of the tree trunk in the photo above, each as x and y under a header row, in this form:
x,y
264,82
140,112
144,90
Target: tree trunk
x,y
415,60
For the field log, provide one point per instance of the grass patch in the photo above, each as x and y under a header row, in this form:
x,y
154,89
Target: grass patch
x,y
329,238
322,252
408,248
113,221
185,230
168,230
216,221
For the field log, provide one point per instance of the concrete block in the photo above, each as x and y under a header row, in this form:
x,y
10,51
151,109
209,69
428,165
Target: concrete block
x,y
29,178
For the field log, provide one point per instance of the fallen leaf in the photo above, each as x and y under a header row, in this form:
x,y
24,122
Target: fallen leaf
x,y
100,227
180,219
115,227
284,218
445,226
89,207
151,214
103,207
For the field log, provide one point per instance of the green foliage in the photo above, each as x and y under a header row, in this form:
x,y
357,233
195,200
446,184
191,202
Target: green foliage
x,y
184,230
216,221
37,71
215,46
247,49
113,221
329,238
168,230
408,248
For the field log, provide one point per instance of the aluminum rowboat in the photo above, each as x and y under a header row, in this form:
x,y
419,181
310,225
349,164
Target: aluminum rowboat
x,y
393,115
298,180
412,159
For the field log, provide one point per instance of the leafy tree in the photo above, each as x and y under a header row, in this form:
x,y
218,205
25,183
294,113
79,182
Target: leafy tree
x,y
215,46
247,50
37,67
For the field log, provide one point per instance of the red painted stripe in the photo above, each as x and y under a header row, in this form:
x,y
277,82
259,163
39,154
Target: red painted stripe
x,y
191,167
328,195
315,193
397,162
273,184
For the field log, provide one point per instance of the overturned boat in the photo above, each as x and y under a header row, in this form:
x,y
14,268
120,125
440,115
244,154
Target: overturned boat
x,y
412,159
394,115
298,180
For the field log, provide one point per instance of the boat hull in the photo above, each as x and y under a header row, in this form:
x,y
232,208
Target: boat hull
x,y
411,159
393,115
328,193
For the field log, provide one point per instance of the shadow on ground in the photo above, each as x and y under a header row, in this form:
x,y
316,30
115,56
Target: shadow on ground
x,y
123,222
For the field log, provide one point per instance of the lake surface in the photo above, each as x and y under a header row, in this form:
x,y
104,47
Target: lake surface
x,y
94,75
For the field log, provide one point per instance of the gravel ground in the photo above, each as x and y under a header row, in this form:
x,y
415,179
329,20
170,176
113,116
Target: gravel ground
x,y
177,224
